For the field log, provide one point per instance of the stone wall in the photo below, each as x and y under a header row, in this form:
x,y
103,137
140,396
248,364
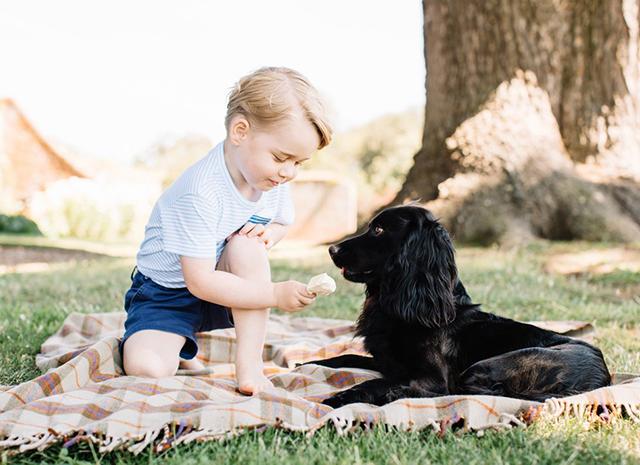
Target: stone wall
x,y
326,207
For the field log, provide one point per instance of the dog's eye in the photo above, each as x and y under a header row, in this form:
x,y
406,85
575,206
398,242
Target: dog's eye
x,y
377,231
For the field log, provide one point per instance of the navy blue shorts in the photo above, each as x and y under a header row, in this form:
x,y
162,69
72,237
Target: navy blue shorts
x,y
152,306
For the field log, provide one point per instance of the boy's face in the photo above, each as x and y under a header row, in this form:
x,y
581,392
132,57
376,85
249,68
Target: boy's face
x,y
272,155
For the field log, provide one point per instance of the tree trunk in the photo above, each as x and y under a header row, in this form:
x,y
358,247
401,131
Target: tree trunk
x,y
533,108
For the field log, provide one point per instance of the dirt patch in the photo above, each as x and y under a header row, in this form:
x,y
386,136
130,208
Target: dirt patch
x,y
14,255
595,261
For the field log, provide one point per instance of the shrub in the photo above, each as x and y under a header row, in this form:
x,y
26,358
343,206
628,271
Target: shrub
x,y
377,156
18,224
94,209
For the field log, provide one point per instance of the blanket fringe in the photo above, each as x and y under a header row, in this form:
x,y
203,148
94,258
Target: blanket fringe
x,y
509,420
38,441
146,440
13,441
591,412
200,435
344,422
633,410
112,444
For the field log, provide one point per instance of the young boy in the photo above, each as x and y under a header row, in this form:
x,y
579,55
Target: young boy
x,y
203,262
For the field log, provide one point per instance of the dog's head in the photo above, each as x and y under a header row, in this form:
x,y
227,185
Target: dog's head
x,y
408,258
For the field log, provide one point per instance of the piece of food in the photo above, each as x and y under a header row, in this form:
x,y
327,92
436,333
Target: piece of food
x,y
322,284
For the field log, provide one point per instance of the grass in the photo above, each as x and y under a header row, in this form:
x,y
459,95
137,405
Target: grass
x,y
510,283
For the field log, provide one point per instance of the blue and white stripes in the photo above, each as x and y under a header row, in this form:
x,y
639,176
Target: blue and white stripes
x,y
196,214
257,219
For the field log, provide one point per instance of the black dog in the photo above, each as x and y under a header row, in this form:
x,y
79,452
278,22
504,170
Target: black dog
x,y
426,337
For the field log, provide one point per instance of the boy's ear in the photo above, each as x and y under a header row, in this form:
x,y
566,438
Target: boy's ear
x,y
238,129
421,278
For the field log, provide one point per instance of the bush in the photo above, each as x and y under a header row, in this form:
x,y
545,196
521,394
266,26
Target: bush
x,y
94,209
18,224
377,156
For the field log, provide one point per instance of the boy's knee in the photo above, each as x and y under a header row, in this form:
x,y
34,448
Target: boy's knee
x,y
245,245
148,364
244,254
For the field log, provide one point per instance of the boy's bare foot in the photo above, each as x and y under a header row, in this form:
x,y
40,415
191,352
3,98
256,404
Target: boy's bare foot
x,y
250,378
193,364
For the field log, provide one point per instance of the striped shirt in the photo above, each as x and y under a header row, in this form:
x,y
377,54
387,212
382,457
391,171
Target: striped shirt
x,y
198,212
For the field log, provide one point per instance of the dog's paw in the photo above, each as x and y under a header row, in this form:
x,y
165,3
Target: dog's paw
x,y
335,402
390,396
343,398
313,362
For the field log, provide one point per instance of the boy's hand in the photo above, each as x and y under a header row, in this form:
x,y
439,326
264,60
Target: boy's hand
x,y
292,296
258,230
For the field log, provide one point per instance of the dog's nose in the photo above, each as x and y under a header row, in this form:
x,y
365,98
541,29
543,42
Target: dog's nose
x,y
334,249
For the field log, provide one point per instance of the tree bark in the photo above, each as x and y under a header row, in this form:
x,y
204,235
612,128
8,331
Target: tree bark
x,y
573,69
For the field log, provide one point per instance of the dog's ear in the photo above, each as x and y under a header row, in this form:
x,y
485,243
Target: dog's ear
x,y
420,280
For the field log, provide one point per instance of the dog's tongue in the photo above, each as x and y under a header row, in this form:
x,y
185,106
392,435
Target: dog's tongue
x,y
343,269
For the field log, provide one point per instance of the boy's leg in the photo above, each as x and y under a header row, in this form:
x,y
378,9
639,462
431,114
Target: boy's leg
x,y
193,364
152,353
247,257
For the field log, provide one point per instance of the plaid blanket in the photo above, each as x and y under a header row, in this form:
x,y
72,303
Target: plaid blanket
x,y
82,396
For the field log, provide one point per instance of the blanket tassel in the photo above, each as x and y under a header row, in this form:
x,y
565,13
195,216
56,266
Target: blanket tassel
x,y
37,442
144,442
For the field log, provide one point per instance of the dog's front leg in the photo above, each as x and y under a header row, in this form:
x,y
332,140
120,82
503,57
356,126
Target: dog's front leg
x,y
369,392
346,361
413,389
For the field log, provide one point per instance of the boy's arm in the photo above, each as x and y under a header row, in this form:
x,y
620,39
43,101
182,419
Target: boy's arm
x,y
229,290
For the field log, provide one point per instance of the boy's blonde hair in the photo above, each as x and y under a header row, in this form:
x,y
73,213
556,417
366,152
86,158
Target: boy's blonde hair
x,y
265,97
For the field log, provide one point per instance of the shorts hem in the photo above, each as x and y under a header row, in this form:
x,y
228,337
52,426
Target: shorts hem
x,y
183,355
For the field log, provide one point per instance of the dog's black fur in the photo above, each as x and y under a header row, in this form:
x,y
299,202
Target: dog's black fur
x,y
426,337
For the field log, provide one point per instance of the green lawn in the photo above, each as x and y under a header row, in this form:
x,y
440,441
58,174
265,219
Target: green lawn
x,y
510,283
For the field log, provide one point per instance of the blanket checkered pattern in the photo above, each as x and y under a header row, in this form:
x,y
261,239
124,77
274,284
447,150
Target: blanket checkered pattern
x,y
82,395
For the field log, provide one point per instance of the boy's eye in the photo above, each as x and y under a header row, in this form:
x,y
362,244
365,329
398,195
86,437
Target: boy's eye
x,y
276,158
